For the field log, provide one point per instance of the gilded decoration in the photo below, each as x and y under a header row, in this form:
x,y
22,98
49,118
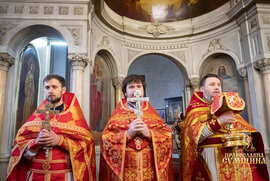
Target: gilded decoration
x,y
155,154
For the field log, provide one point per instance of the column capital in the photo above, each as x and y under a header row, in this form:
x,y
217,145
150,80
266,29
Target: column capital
x,y
79,59
263,65
243,72
6,61
117,81
195,81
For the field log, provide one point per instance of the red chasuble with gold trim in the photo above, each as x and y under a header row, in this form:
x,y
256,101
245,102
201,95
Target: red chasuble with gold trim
x,y
137,159
75,152
232,163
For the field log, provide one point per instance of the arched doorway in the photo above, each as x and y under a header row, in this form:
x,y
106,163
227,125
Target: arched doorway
x,y
165,85
224,66
102,93
40,50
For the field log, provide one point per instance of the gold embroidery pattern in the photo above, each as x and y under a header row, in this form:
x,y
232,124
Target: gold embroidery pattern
x,y
130,175
212,121
46,166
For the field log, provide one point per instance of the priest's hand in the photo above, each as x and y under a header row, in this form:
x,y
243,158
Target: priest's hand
x,y
48,138
227,118
138,127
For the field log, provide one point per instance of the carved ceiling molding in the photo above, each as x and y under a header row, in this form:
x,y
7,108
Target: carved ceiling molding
x,y
266,19
41,9
76,34
78,11
156,29
105,44
132,53
213,46
156,47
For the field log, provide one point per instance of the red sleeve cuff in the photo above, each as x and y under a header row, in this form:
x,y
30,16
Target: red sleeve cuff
x,y
33,146
214,124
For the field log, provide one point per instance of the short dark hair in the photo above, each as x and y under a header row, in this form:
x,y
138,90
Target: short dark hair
x,y
208,76
57,77
133,78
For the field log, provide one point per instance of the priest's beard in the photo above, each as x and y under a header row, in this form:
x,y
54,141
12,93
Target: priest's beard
x,y
54,101
207,97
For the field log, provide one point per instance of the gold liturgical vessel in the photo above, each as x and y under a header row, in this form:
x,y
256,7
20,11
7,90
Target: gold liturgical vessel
x,y
230,101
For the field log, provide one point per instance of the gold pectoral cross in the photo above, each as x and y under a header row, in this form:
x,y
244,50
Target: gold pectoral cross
x,y
46,123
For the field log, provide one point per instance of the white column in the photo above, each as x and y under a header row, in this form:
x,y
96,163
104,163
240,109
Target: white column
x,y
117,83
264,66
243,74
5,62
79,62
187,95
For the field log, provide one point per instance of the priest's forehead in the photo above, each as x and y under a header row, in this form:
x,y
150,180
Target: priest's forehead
x,y
57,77
133,78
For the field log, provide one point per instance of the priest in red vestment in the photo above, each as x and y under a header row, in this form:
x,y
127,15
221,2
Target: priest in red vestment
x,y
216,142
135,149
63,152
